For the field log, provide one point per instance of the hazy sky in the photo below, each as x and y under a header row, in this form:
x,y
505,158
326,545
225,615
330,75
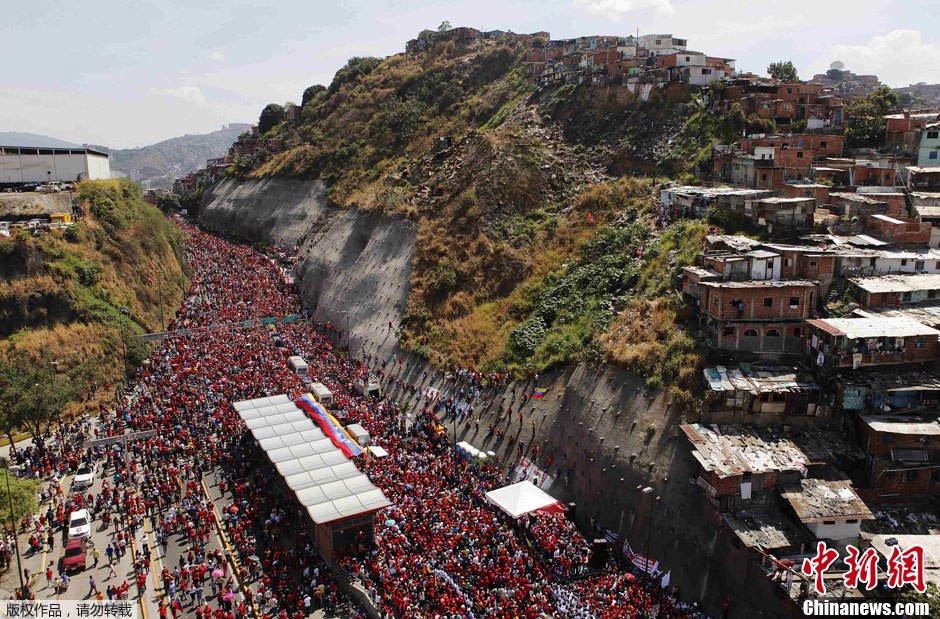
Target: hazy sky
x,y
128,74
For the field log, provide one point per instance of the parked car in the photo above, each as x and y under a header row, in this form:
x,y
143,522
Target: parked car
x,y
74,557
80,524
85,475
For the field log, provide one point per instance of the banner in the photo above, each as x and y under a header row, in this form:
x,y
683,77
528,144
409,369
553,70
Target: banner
x,y
639,561
332,428
525,469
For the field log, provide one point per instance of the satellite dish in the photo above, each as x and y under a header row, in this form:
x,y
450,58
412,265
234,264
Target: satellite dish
x,y
838,65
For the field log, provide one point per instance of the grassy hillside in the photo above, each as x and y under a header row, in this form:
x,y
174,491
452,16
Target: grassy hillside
x,y
536,245
174,157
61,293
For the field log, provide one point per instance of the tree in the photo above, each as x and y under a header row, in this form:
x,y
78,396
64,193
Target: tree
x,y
31,396
835,75
311,93
355,67
271,116
867,125
444,27
783,70
23,492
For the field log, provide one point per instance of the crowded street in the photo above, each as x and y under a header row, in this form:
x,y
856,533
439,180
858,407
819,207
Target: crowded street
x,y
188,519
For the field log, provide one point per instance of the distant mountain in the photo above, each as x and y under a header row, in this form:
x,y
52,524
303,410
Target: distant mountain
x,y
163,161
15,138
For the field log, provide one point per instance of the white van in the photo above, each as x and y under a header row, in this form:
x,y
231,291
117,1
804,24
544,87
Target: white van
x,y
321,394
299,367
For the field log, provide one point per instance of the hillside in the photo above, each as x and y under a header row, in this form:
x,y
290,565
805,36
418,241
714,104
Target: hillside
x,y
163,161
16,138
530,239
61,293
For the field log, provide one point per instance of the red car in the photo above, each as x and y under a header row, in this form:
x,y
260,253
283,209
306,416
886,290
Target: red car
x,y
74,557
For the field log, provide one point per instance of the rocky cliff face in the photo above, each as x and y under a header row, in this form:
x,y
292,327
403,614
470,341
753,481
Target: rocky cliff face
x,y
605,433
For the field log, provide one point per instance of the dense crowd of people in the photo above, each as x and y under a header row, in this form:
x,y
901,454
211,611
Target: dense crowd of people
x,y
439,551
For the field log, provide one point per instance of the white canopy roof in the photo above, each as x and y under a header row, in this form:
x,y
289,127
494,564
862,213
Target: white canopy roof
x,y
520,498
324,480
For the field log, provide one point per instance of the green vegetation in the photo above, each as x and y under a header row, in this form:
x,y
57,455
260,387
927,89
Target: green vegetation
x,y
866,128
783,70
23,493
74,300
271,116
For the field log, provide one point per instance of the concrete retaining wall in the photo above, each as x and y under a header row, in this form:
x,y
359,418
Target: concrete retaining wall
x,y
594,421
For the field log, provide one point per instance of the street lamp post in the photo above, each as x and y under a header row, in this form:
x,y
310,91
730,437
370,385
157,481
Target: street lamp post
x,y
124,313
649,528
16,545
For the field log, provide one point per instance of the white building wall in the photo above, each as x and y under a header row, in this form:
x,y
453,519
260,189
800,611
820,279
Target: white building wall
x,y
99,167
64,167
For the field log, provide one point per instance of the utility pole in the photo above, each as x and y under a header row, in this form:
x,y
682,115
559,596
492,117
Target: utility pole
x,y
162,322
16,544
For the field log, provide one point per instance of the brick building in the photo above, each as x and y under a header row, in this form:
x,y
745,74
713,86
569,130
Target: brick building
x,y
870,342
896,290
761,317
899,231
902,455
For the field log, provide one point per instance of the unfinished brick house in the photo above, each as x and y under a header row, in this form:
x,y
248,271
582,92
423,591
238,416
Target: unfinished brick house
x,y
902,455
759,317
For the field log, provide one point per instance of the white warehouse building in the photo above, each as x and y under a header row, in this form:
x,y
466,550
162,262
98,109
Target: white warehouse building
x,y
19,164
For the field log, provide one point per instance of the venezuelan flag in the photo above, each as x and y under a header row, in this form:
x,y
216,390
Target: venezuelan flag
x,y
539,392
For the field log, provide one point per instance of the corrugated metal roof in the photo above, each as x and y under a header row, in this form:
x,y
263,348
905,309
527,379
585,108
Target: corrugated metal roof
x,y
898,283
328,485
815,500
854,328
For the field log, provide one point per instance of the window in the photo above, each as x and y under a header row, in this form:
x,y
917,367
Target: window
x,y
932,155
788,262
823,144
772,333
920,343
812,264
750,333
799,154
919,265
903,262
763,177
789,91
907,297
797,332
932,135
852,521
728,332
829,521
706,71
931,294
794,301
768,301
911,475
688,59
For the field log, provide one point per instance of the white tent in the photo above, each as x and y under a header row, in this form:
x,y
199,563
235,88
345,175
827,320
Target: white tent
x,y
520,498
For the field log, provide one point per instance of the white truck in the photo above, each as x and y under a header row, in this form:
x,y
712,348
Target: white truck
x,y
359,434
369,386
299,367
321,394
